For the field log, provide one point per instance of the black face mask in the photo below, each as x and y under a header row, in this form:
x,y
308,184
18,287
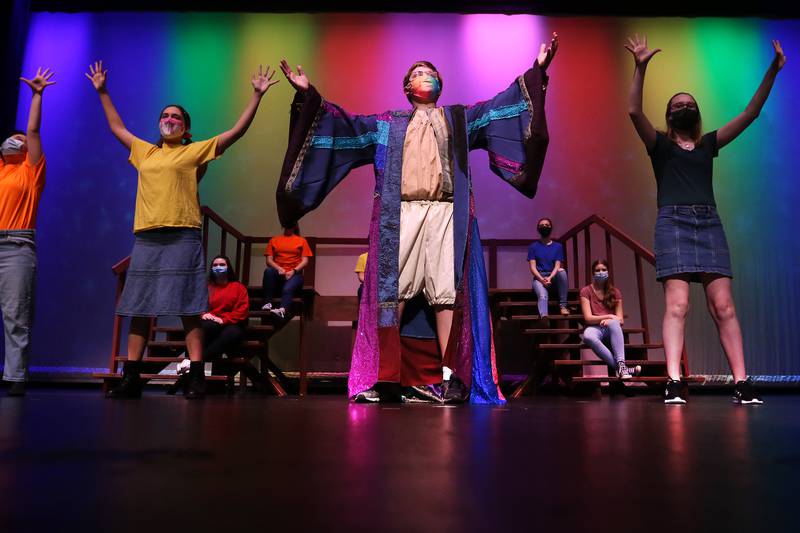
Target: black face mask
x,y
684,119
545,231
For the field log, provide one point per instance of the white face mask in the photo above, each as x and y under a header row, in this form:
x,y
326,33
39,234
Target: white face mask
x,y
171,129
12,145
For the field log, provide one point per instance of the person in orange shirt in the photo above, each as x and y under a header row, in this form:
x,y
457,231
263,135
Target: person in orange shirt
x,y
22,171
287,255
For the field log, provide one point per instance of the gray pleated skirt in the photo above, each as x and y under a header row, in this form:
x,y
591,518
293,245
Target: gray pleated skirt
x,y
690,240
167,275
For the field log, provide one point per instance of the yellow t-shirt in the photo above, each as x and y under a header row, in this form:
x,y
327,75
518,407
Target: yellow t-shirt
x,y
167,193
361,264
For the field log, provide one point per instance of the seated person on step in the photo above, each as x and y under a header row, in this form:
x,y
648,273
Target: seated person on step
x,y
546,257
601,304
287,255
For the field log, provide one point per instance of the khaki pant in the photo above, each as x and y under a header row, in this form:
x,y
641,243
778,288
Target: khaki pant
x,y
426,252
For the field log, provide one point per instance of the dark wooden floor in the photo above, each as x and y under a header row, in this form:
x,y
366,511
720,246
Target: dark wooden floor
x,y
72,460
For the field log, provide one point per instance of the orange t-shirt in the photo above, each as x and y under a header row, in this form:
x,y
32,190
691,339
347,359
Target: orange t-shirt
x,y
21,186
288,251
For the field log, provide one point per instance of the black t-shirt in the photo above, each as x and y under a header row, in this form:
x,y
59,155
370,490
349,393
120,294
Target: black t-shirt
x,y
684,176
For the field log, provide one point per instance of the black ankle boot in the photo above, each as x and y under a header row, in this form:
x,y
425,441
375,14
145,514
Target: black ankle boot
x,y
196,388
131,384
260,383
181,383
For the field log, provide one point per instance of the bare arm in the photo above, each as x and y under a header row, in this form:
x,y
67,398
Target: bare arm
x,y
556,268
97,76
620,315
360,277
32,133
642,56
272,264
735,127
588,317
261,83
535,271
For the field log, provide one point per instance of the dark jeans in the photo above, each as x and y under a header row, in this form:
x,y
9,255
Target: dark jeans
x,y
219,339
274,282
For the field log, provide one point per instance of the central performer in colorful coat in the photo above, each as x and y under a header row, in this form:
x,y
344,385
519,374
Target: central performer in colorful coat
x,y
423,235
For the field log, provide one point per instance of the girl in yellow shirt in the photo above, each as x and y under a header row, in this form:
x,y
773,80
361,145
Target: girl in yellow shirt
x,y
166,276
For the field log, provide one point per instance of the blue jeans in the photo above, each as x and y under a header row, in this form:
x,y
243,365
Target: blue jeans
x,y
559,283
274,282
598,338
17,277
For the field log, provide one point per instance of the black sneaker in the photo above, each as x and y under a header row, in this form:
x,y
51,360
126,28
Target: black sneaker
x,y
454,390
744,394
672,394
423,394
367,396
17,388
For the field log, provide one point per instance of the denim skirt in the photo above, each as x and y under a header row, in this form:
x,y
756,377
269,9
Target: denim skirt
x,y
166,276
690,240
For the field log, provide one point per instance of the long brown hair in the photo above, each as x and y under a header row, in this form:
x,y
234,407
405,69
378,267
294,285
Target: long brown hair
x,y
697,133
609,294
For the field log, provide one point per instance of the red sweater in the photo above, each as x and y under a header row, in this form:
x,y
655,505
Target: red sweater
x,y
230,302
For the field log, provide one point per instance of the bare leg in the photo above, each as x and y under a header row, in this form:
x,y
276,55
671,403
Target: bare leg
x,y
676,296
444,323
137,337
194,337
723,311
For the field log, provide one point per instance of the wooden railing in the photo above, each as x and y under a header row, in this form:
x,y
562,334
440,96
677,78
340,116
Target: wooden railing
x,y
242,260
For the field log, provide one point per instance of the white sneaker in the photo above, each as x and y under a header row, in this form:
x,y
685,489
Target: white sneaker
x,y
267,307
183,366
280,311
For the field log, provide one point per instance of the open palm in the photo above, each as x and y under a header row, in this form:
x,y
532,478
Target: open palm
x,y
546,54
298,80
97,75
638,47
40,81
263,80
780,58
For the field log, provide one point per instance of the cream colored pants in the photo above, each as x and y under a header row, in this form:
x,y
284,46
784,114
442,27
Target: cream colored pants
x,y
426,252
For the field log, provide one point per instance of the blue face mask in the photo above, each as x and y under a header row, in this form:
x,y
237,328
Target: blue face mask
x,y
601,277
219,270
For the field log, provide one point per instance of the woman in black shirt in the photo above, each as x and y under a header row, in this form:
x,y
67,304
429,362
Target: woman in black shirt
x,y
690,243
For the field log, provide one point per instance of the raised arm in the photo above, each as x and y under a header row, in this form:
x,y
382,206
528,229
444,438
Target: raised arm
x,y
33,138
641,55
97,76
732,129
261,83
325,144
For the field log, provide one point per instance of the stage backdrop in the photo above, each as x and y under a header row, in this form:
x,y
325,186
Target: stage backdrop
x,y
596,163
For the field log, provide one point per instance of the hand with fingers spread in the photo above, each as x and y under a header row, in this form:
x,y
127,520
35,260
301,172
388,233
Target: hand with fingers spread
x,y
263,80
547,53
299,80
97,75
638,47
780,58
40,81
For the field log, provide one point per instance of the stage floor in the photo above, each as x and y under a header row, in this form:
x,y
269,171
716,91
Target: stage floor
x,y
71,460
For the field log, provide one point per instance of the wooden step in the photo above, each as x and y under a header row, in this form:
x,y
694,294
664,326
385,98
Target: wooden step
x,y
581,346
528,291
250,329
551,303
154,377
177,359
651,379
174,345
597,362
546,331
256,302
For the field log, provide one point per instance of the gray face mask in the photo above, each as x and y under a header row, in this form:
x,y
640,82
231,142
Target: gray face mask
x,y
12,146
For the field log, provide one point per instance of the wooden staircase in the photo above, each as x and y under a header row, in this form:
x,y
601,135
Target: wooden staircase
x,y
167,345
557,347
